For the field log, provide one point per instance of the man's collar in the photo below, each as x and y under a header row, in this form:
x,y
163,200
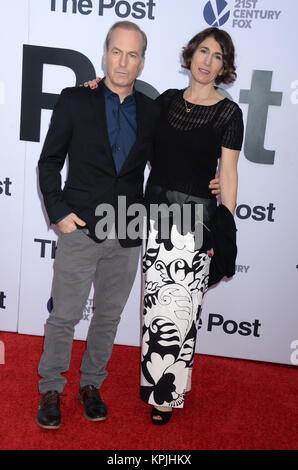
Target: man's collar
x,y
108,92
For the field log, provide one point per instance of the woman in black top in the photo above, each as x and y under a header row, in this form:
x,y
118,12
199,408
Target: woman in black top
x,y
198,127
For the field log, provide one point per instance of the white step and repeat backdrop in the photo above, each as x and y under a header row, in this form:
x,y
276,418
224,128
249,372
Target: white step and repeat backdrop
x,y
47,45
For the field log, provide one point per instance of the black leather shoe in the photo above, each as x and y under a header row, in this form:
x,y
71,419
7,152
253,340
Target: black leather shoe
x,y
49,414
94,407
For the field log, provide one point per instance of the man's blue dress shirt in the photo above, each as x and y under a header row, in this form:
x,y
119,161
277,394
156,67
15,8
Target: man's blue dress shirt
x,y
121,124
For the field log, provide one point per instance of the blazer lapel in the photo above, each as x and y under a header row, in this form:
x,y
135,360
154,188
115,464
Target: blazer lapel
x,y
98,103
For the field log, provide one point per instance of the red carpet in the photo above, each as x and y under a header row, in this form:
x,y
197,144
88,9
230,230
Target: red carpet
x,y
234,404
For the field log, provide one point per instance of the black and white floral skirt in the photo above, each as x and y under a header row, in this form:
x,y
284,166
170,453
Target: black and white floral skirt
x,y
175,281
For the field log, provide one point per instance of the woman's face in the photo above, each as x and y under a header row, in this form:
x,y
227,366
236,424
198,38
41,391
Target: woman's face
x,y
207,61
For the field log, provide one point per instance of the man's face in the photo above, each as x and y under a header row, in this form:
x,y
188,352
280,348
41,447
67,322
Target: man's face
x,y
123,59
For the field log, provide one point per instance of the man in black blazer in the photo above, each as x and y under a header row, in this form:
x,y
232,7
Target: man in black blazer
x,y
107,134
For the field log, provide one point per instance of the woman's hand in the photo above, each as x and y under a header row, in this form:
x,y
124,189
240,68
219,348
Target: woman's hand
x,y
92,83
215,186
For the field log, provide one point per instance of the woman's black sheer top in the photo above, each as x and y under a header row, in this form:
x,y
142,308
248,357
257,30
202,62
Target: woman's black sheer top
x,y
188,144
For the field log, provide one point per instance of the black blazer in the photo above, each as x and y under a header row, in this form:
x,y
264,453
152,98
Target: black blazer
x,y
78,128
224,243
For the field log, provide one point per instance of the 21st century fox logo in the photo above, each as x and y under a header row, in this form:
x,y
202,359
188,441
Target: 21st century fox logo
x,y
242,13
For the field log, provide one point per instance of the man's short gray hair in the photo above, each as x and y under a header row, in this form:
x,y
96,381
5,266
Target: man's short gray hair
x,y
129,26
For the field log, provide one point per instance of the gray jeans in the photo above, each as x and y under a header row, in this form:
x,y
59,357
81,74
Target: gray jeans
x,y
80,261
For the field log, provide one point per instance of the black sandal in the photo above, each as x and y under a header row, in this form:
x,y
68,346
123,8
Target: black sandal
x,y
164,415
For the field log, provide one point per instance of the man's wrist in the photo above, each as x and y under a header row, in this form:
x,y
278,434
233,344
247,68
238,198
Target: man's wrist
x,y
61,218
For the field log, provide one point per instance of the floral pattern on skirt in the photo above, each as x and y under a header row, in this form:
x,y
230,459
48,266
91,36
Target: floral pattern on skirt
x,y
175,281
